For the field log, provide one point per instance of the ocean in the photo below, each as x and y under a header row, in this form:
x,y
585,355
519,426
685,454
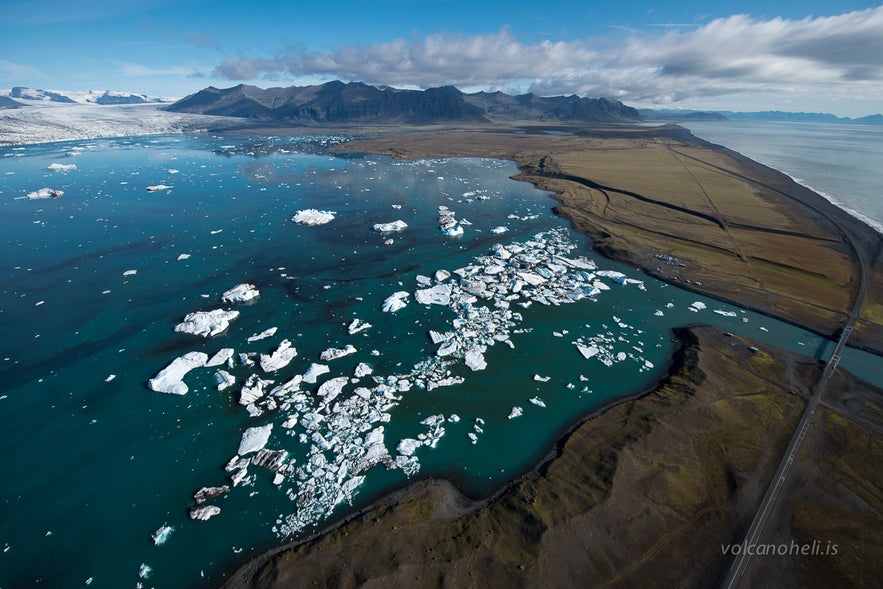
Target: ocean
x,y
100,470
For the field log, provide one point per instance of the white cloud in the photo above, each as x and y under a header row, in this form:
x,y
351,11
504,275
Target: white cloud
x,y
9,69
836,57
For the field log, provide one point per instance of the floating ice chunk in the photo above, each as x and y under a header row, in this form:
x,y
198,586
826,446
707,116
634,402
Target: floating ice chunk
x,y
334,353
313,217
475,359
531,278
453,231
449,347
389,227
62,167
539,378
283,355
162,534
170,379
223,355
697,306
617,277
224,379
183,257
331,388
130,272
499,230
620,356
110,377
253,389
314,371
537,401
172,171
240,293
254,438
263,335
269,459
357,325
407,446
725,313
516,412
204,512
207,323
453,418
472,437
395,301
158,188
442,275
438,338
45,193
144,571
440,294
659,313
362,369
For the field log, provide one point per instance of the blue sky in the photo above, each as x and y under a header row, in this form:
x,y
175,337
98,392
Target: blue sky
x,y
806,55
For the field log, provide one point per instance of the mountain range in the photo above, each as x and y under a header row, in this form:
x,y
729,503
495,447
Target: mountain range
x,y
103,97
355,102
768,115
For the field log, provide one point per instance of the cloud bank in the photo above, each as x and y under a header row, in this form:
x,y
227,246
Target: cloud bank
x,y
840,55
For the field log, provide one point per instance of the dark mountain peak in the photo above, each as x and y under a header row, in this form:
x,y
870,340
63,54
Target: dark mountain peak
x,y
357,102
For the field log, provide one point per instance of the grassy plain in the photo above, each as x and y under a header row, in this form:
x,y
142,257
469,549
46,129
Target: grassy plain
x,y
739,231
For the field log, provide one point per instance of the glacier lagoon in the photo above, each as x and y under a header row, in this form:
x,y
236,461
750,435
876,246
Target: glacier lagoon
x,y
96,280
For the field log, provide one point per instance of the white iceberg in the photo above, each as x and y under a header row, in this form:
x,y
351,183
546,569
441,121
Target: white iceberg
x,y
262,335
395,301
334,353
407,446
475,359
314,371
516,412
221,357
158,188
362,369
313,217
389,227
357,325
62,167
240,293
162,534
204,512
440,294
537,401
207,323
45,193
170,379
254,438
500,229
283,355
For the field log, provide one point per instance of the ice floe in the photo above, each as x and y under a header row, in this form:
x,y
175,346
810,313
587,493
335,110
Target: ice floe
x,y
45,193
204,512
280,358
395,301
161,534
313,217
170,379
62,167
391,227
207,323
270,332
254,438
240,293
158,188
334,353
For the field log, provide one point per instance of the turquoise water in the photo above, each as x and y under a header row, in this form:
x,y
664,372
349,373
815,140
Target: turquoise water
x,y
95,465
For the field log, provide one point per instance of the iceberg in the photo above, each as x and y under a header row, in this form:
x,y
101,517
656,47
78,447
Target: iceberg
x,y
223,355
407,446
440,294
224,379
207,323
158,188
253,389
357,325
696,306
313,217
45,193
262,335
204,512
389,227
499,230
516,412
362,369
395,301
314,371
240,293
254,438
537,401
62,167
475,359
334,353
162,534
170,379
283,355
